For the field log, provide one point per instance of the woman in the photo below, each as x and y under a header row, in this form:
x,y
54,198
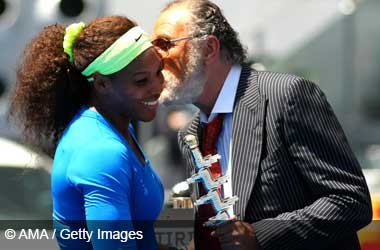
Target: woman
x,y
77,91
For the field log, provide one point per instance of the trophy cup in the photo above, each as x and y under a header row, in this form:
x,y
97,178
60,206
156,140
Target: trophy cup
x,y
210,184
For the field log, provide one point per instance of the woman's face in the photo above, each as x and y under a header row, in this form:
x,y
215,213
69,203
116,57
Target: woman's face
x,y
136,88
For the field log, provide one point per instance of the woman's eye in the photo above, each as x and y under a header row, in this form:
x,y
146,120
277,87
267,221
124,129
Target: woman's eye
x,y
141,81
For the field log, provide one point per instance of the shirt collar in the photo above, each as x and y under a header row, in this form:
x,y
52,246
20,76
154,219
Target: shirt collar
x,y
226,98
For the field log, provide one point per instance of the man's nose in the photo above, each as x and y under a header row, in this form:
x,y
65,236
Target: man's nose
x,y
162,53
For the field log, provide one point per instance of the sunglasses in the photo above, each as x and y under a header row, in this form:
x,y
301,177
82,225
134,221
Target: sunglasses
x,y
165,44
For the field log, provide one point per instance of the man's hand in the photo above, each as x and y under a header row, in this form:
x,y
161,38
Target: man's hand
x,y
236,235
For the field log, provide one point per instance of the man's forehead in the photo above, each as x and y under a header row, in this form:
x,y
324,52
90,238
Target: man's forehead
x,y
176,14
171,21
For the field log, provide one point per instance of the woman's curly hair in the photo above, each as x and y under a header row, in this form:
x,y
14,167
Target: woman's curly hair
x,y
49,90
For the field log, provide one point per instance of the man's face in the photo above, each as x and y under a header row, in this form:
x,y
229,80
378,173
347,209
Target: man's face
x,y
184,69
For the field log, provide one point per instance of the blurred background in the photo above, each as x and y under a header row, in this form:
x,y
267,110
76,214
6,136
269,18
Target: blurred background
x,y
335,43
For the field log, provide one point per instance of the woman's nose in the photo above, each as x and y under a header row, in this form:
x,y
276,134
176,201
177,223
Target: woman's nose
x,y
158,84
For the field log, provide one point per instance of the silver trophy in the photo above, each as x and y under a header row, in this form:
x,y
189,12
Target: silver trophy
x,y
200,161
210,184
204,175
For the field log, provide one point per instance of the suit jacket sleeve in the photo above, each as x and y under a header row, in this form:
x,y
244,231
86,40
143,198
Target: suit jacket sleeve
x,y
322,157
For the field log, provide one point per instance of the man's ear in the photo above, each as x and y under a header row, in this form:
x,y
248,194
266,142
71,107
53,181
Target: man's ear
x,y
212,49
102,84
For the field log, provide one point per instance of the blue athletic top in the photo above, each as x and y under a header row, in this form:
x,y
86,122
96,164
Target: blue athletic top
x,y
99,185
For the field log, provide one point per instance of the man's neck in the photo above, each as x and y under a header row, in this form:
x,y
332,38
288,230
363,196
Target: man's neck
x,y
216,77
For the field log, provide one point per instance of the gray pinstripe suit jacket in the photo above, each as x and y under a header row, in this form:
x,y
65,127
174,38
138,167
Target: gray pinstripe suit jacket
x,y
297,179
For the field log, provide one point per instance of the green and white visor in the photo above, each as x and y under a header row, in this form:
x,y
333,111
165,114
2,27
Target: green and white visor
x,y
121,53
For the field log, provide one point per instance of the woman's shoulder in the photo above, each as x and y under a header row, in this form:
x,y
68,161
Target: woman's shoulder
x,y
106,156
106,147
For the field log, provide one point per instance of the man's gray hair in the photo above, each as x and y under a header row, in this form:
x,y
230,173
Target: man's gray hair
x,y
207,18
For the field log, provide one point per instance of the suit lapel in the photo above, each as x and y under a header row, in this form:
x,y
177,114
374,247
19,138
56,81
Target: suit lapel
x,y
247,131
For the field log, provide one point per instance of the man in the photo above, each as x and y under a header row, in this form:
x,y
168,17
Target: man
x,y
298,182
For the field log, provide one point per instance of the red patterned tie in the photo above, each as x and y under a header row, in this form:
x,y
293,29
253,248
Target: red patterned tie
x,y
203,234
210,137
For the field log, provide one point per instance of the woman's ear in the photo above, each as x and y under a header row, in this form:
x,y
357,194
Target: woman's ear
x,y
102,83
212,49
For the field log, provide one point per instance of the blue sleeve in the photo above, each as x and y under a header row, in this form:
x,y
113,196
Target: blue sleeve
x,y
102,173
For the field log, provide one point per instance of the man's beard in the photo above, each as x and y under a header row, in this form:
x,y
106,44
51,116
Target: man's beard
x,y
191,87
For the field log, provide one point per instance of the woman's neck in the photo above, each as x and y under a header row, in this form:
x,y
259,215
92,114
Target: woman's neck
x,y
119,122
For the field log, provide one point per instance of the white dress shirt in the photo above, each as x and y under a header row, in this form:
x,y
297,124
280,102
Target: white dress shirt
x,y
224,104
